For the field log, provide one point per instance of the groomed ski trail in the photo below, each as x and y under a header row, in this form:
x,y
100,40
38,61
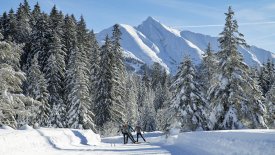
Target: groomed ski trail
x,y
70,142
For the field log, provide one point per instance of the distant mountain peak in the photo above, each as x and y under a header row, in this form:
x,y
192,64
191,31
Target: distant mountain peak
x,y
152,41
151,19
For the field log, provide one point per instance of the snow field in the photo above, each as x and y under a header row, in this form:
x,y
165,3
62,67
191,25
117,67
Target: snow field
x,y
227,142
47,141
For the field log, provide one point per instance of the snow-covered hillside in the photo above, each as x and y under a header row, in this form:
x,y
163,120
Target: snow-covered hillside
x,y
46,141
153,41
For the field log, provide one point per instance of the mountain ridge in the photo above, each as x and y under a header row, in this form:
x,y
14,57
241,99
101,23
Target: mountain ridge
x,y
152,41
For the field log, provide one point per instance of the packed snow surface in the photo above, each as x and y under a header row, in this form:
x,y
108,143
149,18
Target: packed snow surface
x,y
46,141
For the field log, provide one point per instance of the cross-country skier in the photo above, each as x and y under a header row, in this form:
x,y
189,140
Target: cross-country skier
x,y
130,130
138,130
128,133
124,132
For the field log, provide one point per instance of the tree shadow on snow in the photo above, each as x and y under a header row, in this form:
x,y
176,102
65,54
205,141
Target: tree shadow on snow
x,y
83,139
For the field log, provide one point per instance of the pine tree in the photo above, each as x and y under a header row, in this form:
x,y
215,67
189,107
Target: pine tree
x,y
119,77
56,21
4,24
209,65
103,101
162,93
131,106
146,80
110,102
70,35
156,74
144,84
236,101
267,76
94,56
10,27
35,14
55,74
187,100
15,108
37,89
80,113
145,103
23,27
148,113
39,39
82,32
270,103
84,43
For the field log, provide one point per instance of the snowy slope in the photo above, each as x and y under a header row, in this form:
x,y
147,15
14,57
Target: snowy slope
x,y
135,45
172,47
153,41
253,56
73,142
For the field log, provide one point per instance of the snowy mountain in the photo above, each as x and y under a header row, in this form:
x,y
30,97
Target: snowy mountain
x,y
153,41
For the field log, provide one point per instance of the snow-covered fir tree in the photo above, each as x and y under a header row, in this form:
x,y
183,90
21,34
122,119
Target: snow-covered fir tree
x,y
15,108
270,104
146,80
94,57
156,74
161,101
55,75
83,40
188,100
34,14
103,101
148,113
145,102
56,21
119,77
37,89
236,101
143,86
39,38
3,24
209,65
9,29
131,106
110,102
70,36
23,30
267,76
23,27
79,113
162,93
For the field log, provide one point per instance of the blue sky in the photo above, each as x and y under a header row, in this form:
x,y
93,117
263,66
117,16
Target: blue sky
x,y
255,17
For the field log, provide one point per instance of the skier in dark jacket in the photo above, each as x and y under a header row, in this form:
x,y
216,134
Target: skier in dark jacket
x,y
124,132
138,130
129,130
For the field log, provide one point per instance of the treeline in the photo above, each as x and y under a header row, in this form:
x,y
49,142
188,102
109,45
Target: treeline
x,y
54,72
223,92
65,79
